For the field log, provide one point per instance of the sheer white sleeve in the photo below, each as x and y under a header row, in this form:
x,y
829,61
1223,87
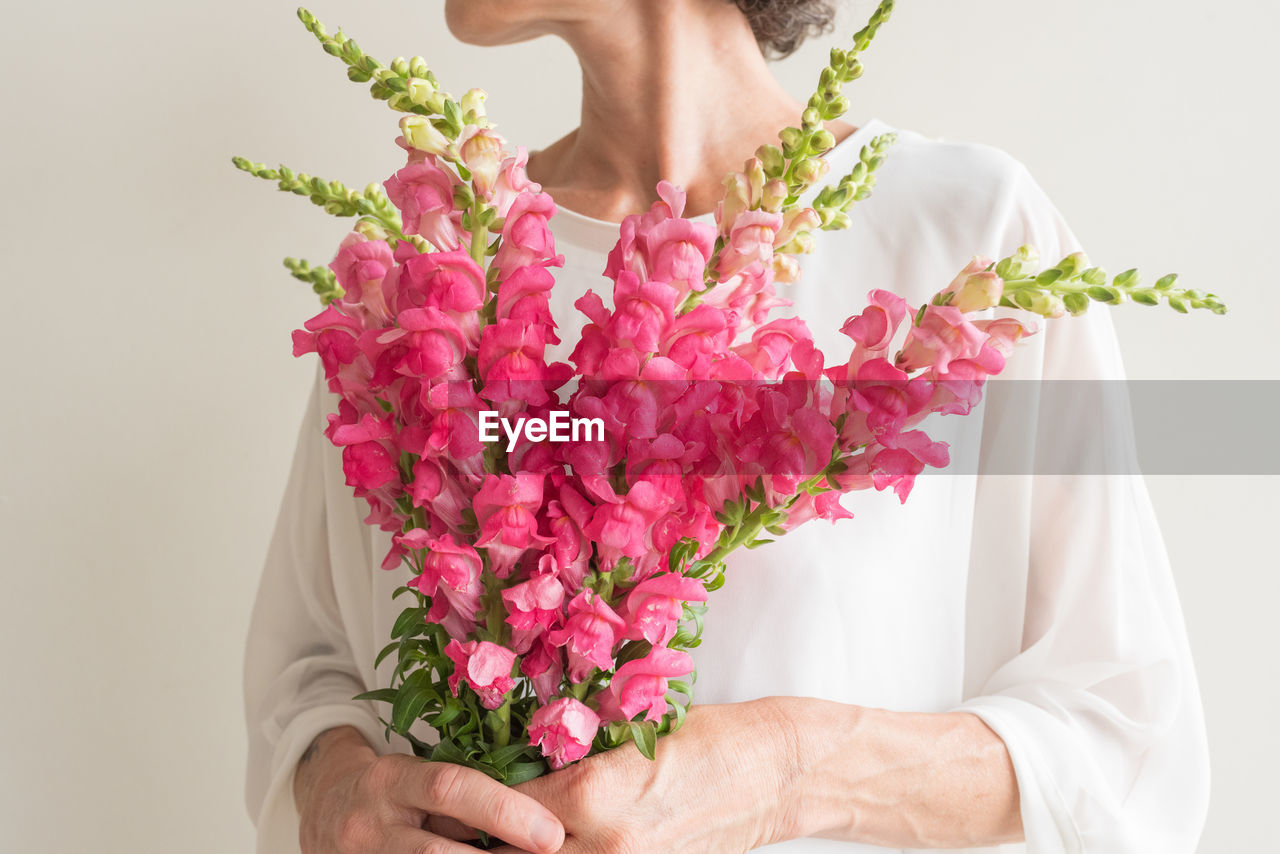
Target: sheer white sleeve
x,y
300,669
1080,661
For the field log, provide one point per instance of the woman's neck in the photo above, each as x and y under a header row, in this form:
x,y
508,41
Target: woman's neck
x,y
674,90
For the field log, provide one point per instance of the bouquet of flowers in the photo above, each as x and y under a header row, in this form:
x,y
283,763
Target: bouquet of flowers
x,y
564,523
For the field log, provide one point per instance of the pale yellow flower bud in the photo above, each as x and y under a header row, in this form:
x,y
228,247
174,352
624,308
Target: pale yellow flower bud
x,y
736,200
473,105
481,151
754,171
420,91
978,292
797,221
774,194
786,269
419,133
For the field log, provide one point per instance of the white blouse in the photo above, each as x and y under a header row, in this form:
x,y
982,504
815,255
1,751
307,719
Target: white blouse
x,y
1043,604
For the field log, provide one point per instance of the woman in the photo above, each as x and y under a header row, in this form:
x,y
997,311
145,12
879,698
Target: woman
x,y
1001,659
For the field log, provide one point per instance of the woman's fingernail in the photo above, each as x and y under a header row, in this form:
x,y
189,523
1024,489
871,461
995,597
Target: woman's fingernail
x,y
545,834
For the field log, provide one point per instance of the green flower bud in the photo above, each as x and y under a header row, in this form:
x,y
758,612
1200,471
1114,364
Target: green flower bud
x,y
371,229
1047,305
1072,264
418,67
822,142
1127,279
811,171
770,156
1096,276
810,117
400,66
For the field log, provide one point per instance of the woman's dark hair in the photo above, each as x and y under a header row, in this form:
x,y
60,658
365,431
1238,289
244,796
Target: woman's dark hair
x,y
781,25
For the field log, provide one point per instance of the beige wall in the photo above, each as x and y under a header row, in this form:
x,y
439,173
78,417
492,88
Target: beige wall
x,y
151,402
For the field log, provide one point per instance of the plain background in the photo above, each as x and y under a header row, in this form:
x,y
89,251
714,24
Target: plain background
x,y
151,402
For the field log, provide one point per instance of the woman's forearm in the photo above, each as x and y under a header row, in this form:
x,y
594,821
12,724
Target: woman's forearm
x,y
896,779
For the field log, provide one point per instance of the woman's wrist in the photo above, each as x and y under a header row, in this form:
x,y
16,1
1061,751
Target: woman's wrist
x,y
334,751
898,779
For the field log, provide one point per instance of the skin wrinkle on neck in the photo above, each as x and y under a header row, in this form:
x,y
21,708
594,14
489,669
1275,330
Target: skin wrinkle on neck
x,y
706,100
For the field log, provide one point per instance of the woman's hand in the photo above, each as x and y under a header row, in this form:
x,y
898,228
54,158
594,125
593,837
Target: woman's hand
x,y
743,775
352,801
722,783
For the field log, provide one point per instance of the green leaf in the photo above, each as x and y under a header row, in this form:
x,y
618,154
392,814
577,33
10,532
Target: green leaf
x,y
447,751
381,695
523,772
1166,282
504,756
646,738
410,621
447,715
386,650
411,699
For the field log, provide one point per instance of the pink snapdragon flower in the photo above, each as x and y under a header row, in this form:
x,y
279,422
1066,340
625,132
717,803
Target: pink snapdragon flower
x,y
513,367
564,729
643,312
512,180
526,236
451,577
366,459
655,606
485,666
423,192
360,267
641,685
589,635
678,251
506,507
944,334
750,244
533,606
543,664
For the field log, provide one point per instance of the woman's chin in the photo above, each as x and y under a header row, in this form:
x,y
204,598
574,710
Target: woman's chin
x,y
487,23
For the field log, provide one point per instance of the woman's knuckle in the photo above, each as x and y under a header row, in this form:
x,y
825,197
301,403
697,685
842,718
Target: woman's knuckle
x,y
381,773
585,785
356,833
444,783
